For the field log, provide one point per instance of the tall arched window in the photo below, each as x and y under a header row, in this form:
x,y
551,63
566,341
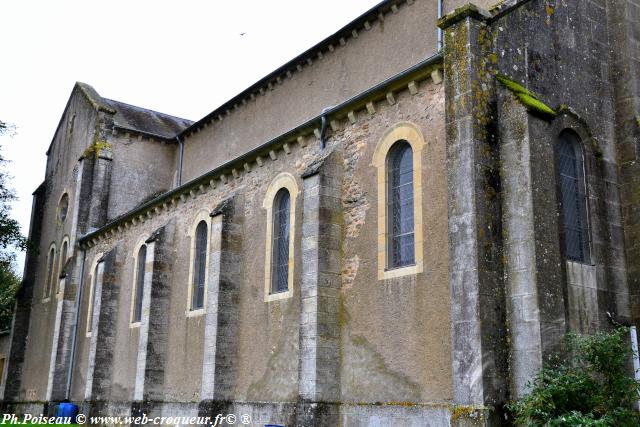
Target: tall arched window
x,y
280,244
573,197
94,281
199,266
401,242
50,271
137,308
63,259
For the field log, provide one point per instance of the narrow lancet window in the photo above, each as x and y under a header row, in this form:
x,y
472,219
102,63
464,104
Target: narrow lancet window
x,y
50,272
92,297
280,257
199,266
573,198
137,308
63,259
400,213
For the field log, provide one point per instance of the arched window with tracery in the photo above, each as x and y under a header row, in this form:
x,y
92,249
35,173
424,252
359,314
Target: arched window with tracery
x,y
573,197
199,266
280,244
400,213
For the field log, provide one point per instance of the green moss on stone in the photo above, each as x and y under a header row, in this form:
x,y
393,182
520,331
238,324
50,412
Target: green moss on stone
x,y
530,100
96,148
467,412
597,151
461,13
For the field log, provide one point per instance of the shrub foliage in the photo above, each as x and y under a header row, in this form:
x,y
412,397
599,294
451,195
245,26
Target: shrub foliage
x,y
593,387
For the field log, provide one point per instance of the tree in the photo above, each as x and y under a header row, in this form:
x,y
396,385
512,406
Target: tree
x,y
11,239
592,388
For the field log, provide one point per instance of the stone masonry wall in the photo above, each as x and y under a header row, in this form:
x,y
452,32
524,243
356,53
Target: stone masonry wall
x,y
560,51
381,48
357,363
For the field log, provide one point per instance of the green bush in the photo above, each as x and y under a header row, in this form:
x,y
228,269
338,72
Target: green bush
x,y
592,388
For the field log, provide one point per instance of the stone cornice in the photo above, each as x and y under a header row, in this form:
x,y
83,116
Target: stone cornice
x,y
344,114
118,129
469,10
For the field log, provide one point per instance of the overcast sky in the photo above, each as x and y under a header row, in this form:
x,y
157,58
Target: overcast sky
x,y
182,58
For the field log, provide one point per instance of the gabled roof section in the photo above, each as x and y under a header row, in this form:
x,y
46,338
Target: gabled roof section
x,y
138,119
128,117
92,96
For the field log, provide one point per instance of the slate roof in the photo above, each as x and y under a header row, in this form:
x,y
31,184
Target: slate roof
x,y
146,121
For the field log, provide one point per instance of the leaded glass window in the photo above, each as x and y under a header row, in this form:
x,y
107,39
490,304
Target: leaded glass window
x,y
280,244
400,230
137,309
199,266
573,198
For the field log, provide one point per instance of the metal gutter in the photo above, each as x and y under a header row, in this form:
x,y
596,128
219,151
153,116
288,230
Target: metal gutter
x,y
316,122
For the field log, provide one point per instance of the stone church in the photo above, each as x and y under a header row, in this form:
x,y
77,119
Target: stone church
x,y
395,228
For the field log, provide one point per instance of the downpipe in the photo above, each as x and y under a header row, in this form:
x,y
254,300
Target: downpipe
x,y
323,128
440,35
636,358
180,160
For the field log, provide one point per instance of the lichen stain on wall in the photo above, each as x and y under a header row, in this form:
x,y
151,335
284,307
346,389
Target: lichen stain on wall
x,y
349,272
365,369
281,371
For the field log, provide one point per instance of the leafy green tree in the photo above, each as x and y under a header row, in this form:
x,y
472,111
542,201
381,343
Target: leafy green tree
x,y
11,239
593,388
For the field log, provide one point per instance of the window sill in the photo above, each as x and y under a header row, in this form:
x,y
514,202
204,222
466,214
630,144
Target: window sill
x,y
195,313
278,296
46,300
88,335
134,325
584,263
393,273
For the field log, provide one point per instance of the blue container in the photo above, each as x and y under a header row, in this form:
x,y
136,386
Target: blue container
x,y
67,410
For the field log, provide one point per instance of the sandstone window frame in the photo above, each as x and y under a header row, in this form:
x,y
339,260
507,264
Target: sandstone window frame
x,y
286,181
142,241
93,279
50,272
62,259
583,207
411,133
201,216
